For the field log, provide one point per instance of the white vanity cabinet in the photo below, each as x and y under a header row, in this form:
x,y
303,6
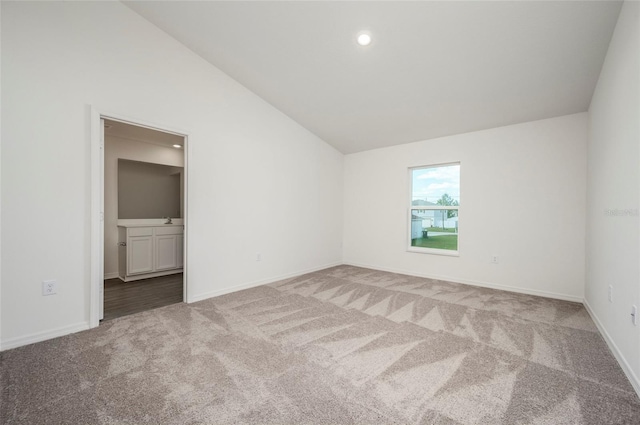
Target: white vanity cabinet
x,y
139,246
150,251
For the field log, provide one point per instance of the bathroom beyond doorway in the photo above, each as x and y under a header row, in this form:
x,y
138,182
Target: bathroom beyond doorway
x,y
144,202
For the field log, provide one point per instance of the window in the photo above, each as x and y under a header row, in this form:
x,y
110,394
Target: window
x,y
433,213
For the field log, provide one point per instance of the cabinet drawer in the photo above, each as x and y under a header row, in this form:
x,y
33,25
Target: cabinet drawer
x,y
169,230
140,231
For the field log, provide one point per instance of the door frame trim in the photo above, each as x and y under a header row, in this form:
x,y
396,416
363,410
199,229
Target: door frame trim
x,y
97,192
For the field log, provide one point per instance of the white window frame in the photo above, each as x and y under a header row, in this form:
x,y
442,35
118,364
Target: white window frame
x,y
433,251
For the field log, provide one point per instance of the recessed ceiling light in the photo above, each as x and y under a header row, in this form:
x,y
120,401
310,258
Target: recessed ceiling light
x,y
177,146
364,39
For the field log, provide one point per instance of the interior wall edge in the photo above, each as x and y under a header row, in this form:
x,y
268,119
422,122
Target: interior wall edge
x,y
624,364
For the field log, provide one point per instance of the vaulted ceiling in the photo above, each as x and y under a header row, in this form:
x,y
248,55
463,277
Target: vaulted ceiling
x,y
432,69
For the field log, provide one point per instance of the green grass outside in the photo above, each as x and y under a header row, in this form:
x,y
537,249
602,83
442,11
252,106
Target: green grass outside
x,y
437,242
440,229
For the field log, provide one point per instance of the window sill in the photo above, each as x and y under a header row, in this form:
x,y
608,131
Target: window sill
x,y
445,252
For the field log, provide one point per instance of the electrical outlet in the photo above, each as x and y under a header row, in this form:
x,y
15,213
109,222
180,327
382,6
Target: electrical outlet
x,y
49,287
494,259
634,315
610,293
258,256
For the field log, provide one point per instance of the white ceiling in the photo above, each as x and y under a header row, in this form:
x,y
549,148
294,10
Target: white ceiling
x,y
433,68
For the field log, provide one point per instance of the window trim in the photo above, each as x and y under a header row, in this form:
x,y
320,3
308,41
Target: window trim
x,y
421,250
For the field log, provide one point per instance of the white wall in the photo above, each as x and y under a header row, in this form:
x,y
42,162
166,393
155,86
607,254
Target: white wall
x,y
0,185
523,190
613,241
249,162
116,148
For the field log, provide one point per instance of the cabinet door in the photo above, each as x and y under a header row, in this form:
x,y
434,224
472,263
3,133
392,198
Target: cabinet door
x,y
140,254
166,252
180,247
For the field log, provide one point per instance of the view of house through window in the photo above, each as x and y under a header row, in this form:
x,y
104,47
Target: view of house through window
x,y
435,202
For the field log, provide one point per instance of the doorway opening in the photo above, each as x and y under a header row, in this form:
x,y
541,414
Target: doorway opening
x,y
139,226
143,219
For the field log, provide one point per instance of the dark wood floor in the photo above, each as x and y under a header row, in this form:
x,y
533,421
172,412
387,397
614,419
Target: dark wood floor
x,y
124,298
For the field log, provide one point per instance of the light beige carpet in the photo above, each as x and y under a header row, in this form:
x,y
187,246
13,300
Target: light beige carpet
x,y
339,346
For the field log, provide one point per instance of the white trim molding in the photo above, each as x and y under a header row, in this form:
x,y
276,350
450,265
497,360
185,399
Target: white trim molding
x,y
635,382
554,295
97,184
97,232
261,282
43,336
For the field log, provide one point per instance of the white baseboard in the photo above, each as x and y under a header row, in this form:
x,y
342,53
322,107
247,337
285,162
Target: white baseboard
x,y
558,296
42,336
253,284
65,330
635,382
112,275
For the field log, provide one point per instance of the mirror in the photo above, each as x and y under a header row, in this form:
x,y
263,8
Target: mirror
x,y
147,190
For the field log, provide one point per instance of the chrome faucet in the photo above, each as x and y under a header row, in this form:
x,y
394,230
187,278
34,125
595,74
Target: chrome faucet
x,y
168,220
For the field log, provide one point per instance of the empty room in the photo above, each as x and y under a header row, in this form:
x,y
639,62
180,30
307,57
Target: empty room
x,y
320,212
